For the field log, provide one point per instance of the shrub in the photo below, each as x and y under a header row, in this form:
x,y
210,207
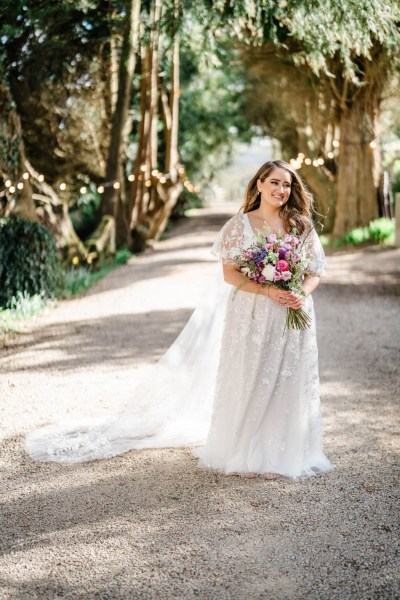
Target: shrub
x,y
29,263
381,229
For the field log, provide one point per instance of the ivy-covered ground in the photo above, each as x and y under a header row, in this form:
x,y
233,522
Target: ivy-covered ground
x,y
151,524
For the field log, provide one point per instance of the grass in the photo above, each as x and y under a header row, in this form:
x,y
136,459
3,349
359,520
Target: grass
x,y
79,279
379,231
23,307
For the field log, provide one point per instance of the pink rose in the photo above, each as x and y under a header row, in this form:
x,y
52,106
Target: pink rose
x,y
286,276
282,265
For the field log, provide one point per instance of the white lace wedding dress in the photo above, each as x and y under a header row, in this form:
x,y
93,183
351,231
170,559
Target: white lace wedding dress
x,y
266,415
234,383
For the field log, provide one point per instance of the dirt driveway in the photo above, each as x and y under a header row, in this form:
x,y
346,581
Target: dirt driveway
x,y
150,524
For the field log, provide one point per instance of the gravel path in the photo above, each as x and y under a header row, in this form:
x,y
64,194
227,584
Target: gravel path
x,y
150,524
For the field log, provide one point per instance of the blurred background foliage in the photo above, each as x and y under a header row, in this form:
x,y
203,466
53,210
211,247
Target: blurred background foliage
x,y
115,114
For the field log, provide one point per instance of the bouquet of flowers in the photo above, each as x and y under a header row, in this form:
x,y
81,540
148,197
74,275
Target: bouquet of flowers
x,y
279,260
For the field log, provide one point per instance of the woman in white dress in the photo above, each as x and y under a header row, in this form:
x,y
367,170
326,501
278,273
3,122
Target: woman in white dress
x,y
235,383
266,417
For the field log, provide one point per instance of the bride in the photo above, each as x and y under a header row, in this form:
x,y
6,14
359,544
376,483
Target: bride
x,y
236,383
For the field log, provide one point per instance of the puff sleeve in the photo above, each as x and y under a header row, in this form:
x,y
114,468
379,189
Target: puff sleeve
x,y
229,240
315,254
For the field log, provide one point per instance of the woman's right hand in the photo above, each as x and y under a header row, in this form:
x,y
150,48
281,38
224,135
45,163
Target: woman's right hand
x,y
280,297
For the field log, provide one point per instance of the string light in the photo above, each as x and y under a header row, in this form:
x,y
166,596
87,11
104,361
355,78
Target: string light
x,y
308,161
19,184
335,144
331,155
372,144
320,161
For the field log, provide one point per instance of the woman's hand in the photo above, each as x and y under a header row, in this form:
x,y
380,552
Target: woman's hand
x,y
285,298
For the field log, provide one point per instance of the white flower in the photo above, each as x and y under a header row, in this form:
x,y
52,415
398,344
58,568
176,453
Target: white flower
x,y
245,270
269,272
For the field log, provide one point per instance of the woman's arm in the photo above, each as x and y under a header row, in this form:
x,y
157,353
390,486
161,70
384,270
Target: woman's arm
x,y
234,277
310,283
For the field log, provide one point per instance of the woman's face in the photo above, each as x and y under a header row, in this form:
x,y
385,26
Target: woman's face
x,y
275,189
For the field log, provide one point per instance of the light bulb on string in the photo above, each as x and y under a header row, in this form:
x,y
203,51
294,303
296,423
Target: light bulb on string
x,y
320,161
308,161
372,144
20,185
63,186
315,163
116,185
163,179
148,183
83,190
25,175
143,168
154,172
11,189
335,144
100,189
131,177
7,183
331,155
41,178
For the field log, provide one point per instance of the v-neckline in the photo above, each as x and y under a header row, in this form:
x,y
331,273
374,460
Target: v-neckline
x,y
255,234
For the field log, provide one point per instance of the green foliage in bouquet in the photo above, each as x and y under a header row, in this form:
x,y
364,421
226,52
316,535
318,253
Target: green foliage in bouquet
x,y
29,263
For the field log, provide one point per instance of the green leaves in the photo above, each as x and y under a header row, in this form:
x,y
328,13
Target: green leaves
x,y
29,262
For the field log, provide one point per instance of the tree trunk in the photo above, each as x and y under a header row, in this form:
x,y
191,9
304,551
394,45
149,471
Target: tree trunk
x,y
146,157
113,202
323,187
53,213
167,196
13,159
359,169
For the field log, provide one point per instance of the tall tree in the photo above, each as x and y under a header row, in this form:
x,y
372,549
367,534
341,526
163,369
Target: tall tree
x,y
114,199
349,48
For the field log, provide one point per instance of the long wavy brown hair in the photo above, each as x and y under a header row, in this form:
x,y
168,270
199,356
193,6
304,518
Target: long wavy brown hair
x,y
297,211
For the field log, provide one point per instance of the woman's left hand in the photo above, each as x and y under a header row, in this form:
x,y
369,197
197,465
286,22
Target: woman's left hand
x,y
294,300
